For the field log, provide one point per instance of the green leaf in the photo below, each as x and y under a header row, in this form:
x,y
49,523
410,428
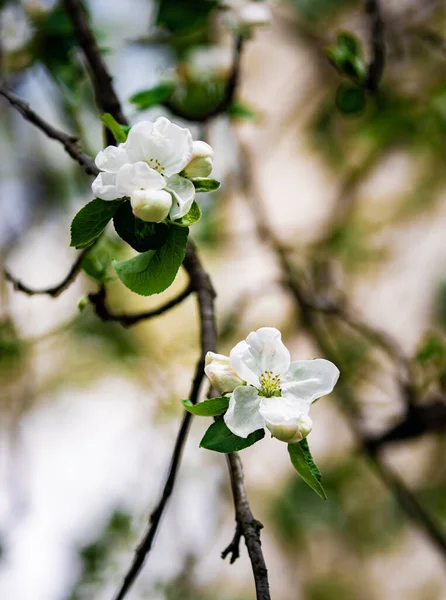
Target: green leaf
x,y
350,99
304,464
154,271
90,221
205,184
140,235
349,43
192,216
156,95
119,131
240,110
208,408
220,439
346,56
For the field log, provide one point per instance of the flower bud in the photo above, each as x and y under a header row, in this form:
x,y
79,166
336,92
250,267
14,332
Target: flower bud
x,y
254,14
220,373
293,431
151,206
200,165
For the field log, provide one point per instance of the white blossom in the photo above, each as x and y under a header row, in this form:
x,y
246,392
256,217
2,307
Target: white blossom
x,y
277,393
148,168
244,15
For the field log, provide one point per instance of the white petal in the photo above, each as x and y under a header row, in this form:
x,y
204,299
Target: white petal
x,y
199,167
138,176
262,351
183,193
163,145
308,380
104,187
111,158
243,416
201,150
286,421
150,205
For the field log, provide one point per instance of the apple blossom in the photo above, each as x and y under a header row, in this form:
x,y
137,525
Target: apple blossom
x,y
152,168
277,393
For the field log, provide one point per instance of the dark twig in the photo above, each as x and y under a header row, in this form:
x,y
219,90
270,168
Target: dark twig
x,y
56,290
223,106
245,521
106,96
69,142
376,66
98,300
234,547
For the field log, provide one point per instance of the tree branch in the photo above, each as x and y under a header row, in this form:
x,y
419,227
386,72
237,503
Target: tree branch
x,y
69,142
98,300
376,66
106,96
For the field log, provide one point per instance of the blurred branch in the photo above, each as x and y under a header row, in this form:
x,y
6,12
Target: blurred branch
x,y
231,88
69,142
376,66
98,300
106,96
56,290
310,307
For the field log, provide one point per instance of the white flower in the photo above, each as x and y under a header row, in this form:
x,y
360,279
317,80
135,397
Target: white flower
x,y
147,167
244,15
220,373
201,162
208,62
278,393
15,31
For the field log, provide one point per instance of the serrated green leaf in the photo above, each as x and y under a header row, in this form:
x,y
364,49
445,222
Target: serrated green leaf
x,y
192,216
153,96
350,99
208,408
304,464
140,235
118,131
91,220
205,184
220,439
152,272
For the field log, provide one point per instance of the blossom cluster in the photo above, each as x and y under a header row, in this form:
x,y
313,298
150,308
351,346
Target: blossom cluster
x,y
153,168
267,389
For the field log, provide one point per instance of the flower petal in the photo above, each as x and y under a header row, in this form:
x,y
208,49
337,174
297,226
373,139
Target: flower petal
x,y
262,351
243,416
308,380
151,205
287,421
163,145
112,158
104,187
183,194
137,176
220,373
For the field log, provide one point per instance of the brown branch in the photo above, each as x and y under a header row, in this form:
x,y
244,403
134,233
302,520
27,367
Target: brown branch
x,y
56,290
376,66
106,96
223,106
205,293
98,300
69,142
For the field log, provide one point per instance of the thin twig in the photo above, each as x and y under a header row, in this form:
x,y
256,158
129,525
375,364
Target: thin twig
x,y
69,142
98,300
106,96
55,290
376,66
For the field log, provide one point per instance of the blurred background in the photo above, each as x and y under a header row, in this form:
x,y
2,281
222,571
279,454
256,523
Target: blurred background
x,y
350,182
